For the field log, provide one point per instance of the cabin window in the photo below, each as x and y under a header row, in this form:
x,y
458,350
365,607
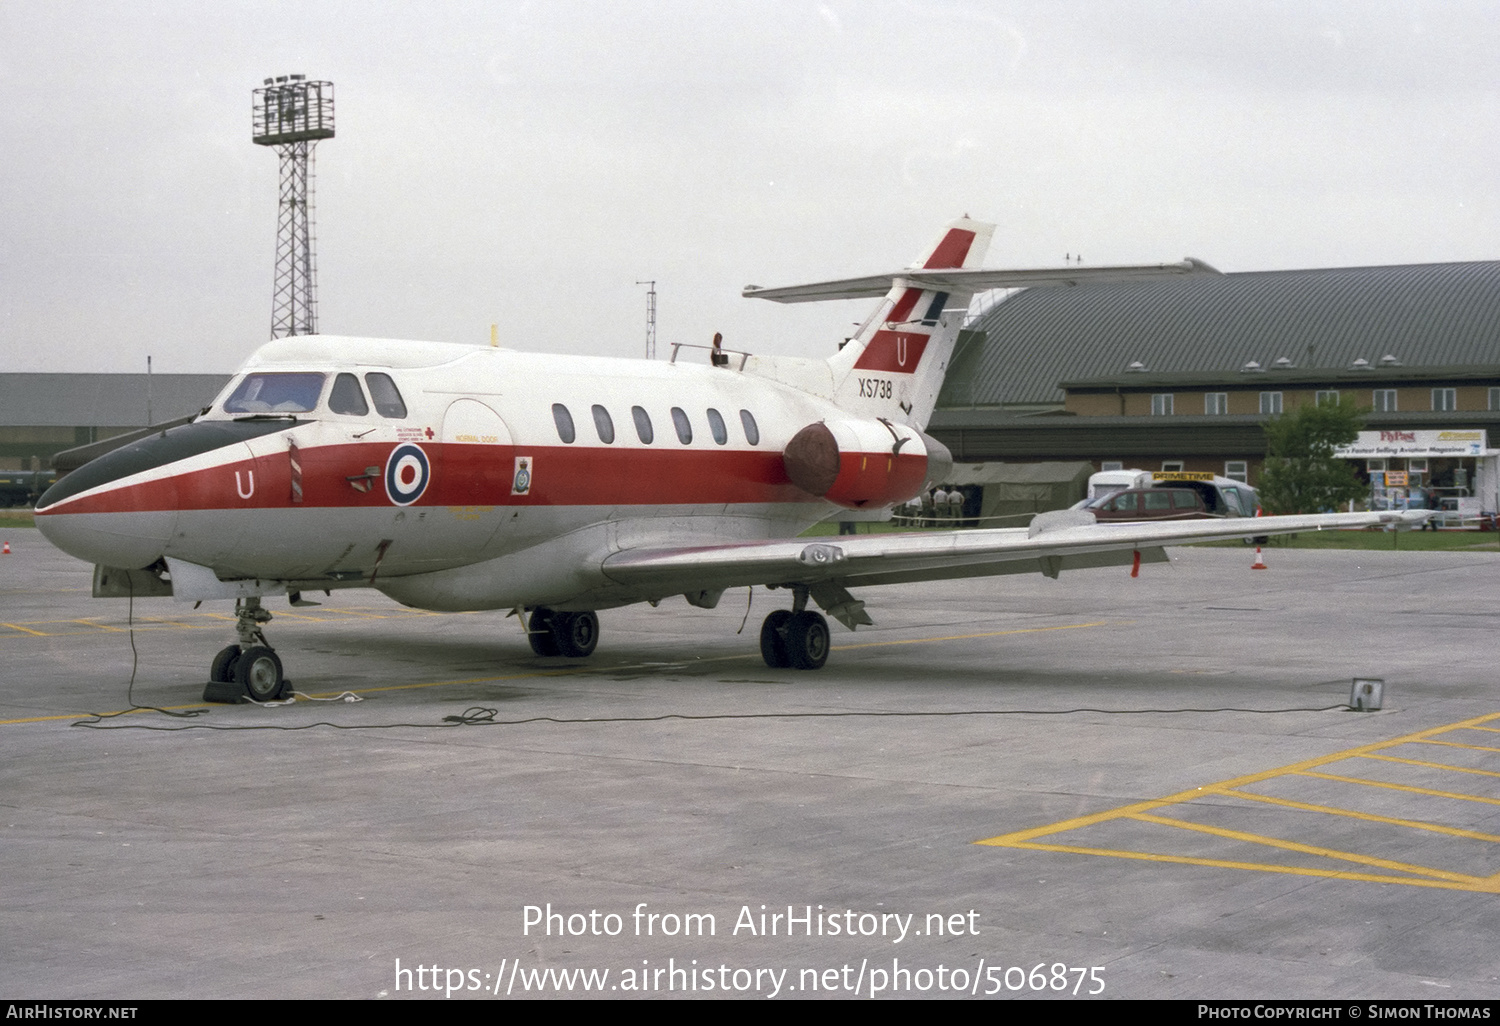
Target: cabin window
x,y
387,397
276,393
347,397
752,432
683,425
604,425
716,425
642,425
564,421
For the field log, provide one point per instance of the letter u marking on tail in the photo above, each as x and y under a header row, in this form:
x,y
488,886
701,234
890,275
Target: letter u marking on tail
x,y
238,487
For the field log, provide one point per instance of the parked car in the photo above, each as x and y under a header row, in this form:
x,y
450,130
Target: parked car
x,y
1149,504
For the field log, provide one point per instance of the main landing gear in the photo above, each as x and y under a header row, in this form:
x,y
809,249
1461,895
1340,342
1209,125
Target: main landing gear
x,y
251,668
573,635
794,639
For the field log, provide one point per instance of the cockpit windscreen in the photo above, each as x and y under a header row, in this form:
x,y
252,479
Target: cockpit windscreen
x,y
276,393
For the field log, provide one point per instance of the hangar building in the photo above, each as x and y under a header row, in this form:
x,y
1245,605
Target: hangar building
x,y
1181,374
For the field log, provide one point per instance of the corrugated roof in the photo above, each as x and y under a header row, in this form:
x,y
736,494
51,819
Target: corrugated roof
x,y
102,400
1423,314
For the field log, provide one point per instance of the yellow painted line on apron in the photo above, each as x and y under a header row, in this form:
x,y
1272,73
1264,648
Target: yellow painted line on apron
x,y
1489,885
987,634
1455,744
1227,785
1404,787
1310,849
563,672
1432,765
1422,876
1415,824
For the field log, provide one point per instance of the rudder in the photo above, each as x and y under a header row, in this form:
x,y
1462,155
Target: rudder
x,y
894,365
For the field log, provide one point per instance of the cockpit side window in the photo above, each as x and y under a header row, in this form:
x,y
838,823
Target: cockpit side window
x,y
347,397
388,401
276,393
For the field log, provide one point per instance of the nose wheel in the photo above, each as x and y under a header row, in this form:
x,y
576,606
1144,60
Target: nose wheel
x,y
251,668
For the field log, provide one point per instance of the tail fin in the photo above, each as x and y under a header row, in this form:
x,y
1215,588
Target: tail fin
x,y
893,367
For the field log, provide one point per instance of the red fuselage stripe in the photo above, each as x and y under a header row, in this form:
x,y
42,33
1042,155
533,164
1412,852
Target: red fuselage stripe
x,y
472,475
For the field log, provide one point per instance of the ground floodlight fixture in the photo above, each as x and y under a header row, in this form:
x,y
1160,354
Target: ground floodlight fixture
x,y
291,114
1365,694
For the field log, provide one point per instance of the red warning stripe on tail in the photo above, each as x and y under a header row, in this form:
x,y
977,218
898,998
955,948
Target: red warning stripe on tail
x,y
897,352
953,250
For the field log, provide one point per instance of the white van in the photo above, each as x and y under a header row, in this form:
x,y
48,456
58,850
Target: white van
x,y
1106,481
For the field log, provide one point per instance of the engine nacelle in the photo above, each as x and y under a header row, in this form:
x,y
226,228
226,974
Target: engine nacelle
x,y
862,464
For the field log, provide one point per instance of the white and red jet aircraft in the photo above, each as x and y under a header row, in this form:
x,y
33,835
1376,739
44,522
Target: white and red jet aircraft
x,y
454,477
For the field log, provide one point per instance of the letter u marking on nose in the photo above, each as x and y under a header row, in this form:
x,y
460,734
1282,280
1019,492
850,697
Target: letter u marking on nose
x,y
241,488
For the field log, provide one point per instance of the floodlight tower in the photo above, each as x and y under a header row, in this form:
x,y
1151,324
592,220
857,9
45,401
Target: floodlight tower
x,y
292,114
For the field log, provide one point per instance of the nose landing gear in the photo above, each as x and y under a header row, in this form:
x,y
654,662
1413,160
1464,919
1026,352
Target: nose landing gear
x,y
251,668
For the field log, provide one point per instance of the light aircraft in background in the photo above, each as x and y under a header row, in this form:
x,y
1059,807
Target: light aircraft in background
x,y
454,477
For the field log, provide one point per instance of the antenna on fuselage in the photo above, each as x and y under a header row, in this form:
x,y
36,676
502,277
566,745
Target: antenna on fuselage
x,y
650,318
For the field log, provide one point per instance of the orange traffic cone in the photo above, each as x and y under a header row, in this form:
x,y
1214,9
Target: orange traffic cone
x,y
5,551
1259,563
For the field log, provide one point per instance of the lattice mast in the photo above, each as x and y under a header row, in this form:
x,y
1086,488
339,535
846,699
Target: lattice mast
x,y
650,318
292,114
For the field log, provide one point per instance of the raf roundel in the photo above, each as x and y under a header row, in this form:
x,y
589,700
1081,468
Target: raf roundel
x,y
406,474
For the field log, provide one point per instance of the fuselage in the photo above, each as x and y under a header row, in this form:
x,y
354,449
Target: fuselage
x,y
460,477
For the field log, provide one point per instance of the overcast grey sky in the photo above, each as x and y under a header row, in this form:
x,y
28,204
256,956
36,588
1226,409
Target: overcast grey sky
x,y
526,163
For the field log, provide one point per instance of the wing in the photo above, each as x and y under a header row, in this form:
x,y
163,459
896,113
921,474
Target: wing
x,y
1057,541
971,281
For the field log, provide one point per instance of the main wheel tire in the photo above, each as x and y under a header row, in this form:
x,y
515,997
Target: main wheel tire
x,y
221,670
773,640
259,672
807,640
539,631
575,634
